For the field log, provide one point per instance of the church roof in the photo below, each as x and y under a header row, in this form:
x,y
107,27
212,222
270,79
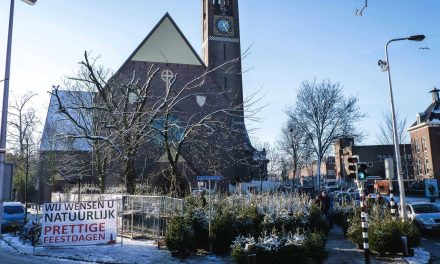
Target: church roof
x,y
58,127
166,44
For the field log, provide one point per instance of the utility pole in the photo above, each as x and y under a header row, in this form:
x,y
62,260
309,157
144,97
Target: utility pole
x,y
26,179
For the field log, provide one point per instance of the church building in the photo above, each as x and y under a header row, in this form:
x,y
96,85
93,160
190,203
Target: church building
x,y
225,151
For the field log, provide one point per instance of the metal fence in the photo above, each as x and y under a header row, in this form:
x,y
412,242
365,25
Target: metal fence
x,y
141,216
147,216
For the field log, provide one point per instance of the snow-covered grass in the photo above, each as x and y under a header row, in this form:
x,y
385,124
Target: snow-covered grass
x,y
131,251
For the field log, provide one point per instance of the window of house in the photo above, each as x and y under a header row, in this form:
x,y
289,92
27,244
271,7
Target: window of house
x,y
419,167
426,166
424,144
417,145
370,164
379,158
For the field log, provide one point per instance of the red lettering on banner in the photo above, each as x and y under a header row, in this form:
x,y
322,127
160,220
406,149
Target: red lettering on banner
x,y
56,229
47,229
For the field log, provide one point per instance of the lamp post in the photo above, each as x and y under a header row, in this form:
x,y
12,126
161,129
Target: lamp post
x,y
4,120
386,67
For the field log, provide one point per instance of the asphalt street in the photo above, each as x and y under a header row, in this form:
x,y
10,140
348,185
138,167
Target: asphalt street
x,y
431,242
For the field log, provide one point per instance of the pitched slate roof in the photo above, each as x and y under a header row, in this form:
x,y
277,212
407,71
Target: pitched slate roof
x,y
431,114
58,127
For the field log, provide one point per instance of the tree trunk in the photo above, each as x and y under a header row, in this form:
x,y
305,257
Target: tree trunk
x,y
318,176
175,181
130,175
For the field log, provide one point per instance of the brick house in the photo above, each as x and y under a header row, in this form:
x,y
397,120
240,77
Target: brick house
x,y
425,140
327,169
373,155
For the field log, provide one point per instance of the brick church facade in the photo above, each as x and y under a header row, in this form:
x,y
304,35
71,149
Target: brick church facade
x,y
218,88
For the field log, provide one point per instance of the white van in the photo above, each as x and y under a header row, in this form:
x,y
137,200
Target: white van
x,y
13,215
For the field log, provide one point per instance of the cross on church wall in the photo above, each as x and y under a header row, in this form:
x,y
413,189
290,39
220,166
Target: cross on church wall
x,y
167,76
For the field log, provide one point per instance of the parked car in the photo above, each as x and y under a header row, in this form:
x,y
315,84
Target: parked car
x,y
426,216
13,215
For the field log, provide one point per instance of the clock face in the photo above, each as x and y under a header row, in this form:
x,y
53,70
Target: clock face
x,y
223,26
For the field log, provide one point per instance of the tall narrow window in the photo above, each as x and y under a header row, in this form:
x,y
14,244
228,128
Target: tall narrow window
x,y
426,166
419,167
417,146
424,144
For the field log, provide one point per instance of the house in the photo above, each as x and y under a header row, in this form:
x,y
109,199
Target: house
x,y
425,140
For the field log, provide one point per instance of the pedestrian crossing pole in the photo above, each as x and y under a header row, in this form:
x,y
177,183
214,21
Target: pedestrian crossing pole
x,y
392,202
364,222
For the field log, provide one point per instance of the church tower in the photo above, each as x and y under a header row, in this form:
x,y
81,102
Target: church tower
x,y
221,44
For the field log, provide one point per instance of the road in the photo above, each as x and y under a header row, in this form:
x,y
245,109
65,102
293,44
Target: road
x,y
431,242
16,258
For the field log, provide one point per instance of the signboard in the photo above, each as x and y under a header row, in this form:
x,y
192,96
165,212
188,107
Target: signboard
x,y
6,183
372,177
209,178
431,188
79,223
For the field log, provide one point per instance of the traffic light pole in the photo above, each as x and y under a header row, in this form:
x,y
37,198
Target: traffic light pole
x,y
364,222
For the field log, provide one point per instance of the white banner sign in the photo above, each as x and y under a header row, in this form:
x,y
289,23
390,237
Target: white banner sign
x,y
80,223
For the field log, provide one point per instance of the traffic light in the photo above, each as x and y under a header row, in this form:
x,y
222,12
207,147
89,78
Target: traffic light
x,y
361,171
352,167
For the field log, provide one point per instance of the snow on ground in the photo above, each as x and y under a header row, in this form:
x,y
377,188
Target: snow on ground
x,y
421,256
131,251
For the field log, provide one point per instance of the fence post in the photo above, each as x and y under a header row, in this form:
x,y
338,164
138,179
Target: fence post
x,y
142,216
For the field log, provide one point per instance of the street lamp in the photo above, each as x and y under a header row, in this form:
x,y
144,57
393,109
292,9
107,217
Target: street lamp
x,y
4,120
385,65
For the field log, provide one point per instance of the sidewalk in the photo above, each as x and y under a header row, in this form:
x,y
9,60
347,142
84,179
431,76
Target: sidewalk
x,y
341,250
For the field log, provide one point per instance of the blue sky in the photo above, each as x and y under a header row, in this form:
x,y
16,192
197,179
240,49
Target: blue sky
x,y
293,40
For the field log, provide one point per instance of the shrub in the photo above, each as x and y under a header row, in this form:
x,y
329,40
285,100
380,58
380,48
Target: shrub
x,y
341,215
179,237
197,219
384,233
407,229
315,246
384,236
239,254
249,221
317,221
279,249
354,231
223,232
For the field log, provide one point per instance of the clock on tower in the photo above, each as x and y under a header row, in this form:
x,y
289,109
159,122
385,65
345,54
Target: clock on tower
x,y
221,44
223,26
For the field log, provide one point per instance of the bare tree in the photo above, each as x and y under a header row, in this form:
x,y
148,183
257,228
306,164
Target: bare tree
x,y
131,119
22,123
385,136
22,137
292,143
324,114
